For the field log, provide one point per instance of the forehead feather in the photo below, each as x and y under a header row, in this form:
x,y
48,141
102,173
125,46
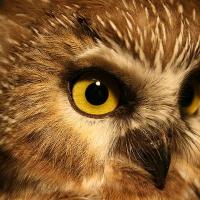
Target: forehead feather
x,y
162,34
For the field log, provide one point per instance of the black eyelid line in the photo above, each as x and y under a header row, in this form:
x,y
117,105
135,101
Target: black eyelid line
x,y
76,72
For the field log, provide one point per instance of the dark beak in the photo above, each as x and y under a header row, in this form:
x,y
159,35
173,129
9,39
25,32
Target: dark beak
x,y
150,151
156,161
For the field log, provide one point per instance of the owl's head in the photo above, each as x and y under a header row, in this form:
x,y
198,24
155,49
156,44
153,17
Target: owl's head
x,y
94,89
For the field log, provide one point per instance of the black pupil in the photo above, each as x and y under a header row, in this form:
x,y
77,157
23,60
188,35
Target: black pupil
x,y
96,93
187,96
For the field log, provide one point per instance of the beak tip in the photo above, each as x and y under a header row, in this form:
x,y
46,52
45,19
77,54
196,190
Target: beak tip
x,y
162,171
160,182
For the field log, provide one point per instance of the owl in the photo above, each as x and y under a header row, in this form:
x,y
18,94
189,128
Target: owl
x,y
100,100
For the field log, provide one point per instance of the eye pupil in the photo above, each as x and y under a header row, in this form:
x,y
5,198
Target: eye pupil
x,y
96,93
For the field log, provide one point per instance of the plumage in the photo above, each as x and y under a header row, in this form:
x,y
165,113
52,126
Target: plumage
x,y
148,148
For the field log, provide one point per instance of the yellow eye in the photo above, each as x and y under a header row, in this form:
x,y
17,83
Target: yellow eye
x,y
96,94
190,101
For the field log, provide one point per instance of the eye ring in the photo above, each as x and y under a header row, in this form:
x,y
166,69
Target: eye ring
x,y
190,95
195,103
95,93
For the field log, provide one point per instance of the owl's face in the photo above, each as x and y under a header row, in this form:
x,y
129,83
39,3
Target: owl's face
x,y
102,92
